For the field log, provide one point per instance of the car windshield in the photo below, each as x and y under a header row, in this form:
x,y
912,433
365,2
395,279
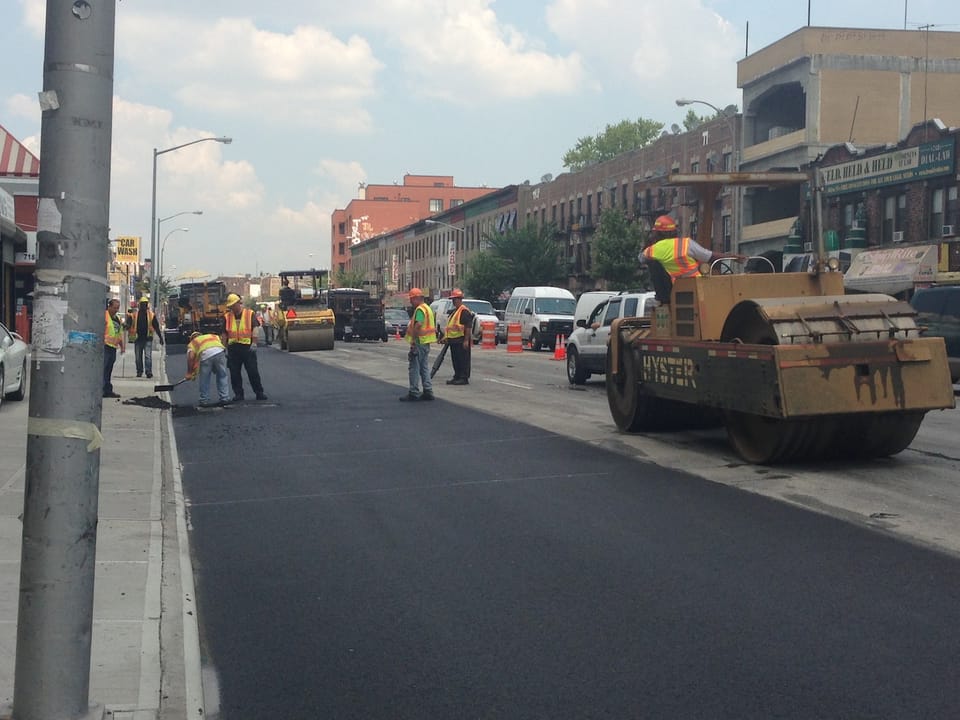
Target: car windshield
x,y
481,307
396,315
556,306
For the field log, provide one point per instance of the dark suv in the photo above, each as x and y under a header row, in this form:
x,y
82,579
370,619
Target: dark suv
x,y
938,309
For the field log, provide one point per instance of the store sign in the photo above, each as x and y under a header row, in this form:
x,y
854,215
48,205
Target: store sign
x,y
7,209
451,258
128,249
927,160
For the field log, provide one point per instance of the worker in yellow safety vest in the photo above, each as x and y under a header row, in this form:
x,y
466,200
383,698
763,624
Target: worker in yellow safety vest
x,y
458,335
206,355
239,339
421,331
677,256
112,341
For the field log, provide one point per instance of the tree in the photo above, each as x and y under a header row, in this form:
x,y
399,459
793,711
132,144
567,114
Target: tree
x,y
692,121
529,254
349,278
616,245
614,140
486,276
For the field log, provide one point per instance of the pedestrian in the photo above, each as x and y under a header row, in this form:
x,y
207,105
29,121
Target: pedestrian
x,y
143,325
206,355
267,326
112,340
458,335
239,324
669,256
421,331
288,296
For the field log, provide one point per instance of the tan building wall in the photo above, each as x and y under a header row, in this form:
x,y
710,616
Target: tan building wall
x,y
859,106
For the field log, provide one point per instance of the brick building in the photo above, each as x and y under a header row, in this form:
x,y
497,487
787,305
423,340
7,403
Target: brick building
x,y
384,207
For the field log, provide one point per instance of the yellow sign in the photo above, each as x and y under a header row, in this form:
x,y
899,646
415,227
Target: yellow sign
x,y
128,249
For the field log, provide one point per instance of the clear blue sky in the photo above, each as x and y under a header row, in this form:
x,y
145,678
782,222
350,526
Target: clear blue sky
x,y
321,95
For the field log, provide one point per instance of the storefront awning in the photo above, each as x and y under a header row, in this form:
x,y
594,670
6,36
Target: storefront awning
x,y
892,271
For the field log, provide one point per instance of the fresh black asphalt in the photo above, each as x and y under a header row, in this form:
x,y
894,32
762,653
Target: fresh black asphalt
x,y
358,557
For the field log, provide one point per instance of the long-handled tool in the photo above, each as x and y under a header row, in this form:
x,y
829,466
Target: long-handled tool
x,y
439,361
171,386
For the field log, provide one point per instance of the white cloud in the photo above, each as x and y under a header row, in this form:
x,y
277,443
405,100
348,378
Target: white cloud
x,y
461,52
307,77
662,50
34,15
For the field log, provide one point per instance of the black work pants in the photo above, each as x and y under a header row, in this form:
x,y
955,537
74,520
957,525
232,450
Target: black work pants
x,y
243,356
109,360
460,356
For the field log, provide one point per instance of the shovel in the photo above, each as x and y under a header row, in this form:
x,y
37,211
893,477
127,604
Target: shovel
x,y
439,361
171,386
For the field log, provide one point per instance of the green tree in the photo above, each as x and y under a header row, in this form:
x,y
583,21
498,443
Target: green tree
x,y
486,276
692,121
351,278
615,248
530,254
614,140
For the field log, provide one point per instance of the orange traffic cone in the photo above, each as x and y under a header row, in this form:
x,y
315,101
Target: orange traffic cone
x,y
560,348
397,335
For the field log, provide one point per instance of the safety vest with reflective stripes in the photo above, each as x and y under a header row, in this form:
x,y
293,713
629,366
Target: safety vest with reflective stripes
x,y
112,332
132,332
455,328
204,342
428,328
673,254
239,329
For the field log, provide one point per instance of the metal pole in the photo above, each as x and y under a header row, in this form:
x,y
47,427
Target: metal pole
x,y
55,614
153,230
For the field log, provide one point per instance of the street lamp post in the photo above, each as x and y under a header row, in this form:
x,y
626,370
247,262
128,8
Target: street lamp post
x,y
160,222
163,247
731,123
153,201
451,266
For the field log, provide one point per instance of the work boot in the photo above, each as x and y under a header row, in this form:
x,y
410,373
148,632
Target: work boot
x,y
111,395
409,397
238,397
149,375
427,396
460,381
261,396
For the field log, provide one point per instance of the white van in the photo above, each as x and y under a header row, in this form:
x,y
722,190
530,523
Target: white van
x,y
543,312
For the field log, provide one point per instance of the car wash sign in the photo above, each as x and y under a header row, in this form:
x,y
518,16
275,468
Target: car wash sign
x,y
128,249
892,168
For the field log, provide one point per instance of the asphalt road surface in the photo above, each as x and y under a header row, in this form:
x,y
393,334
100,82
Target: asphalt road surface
x,y
358,557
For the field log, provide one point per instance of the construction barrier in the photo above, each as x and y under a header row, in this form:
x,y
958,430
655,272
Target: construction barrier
x,y
514,338
560,348
488,335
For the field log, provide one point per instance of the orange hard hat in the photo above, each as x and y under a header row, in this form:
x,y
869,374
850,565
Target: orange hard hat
x,y
665,223
416,292
456,293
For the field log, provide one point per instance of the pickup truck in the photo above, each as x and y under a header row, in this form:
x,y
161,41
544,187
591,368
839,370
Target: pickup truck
x,y
587,346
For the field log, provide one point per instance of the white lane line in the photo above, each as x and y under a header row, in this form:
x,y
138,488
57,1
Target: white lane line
x,y
511,384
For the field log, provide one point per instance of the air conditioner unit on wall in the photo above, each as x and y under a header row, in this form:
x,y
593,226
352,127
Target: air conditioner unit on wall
x,y
948,231
898,236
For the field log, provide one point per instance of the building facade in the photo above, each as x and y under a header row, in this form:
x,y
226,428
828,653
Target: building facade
x,y
821,87
433,254
380,208
19,190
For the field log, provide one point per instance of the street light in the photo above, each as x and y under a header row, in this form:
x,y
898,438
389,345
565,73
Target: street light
x,y
163,247
729,117
437,222
163,220
153,201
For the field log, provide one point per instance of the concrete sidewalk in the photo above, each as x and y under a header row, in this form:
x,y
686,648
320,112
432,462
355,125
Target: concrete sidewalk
x,y
145,650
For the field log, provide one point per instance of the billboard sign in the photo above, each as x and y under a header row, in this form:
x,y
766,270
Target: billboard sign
x,y
128,249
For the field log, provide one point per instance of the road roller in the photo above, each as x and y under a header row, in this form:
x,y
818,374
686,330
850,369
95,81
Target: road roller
x,y
302,320
794,368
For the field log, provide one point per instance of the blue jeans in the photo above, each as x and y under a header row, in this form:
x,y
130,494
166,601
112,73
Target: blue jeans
x,y
420,369
143,350
216,365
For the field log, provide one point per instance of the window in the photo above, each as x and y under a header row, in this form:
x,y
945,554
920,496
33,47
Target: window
x,y
341,248
436,205
342,229
456,202
727,232
613,197
728,162
936,212
706,137
695,166
624,195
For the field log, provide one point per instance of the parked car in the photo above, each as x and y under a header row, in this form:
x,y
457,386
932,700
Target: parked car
x,y
587,346
13,365
396,320
938,310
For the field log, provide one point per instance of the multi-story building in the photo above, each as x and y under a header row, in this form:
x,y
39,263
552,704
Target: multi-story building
x,y
820,87
433,253
19,189
384,207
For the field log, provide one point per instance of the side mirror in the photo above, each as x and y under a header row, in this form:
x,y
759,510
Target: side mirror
x,y
528,311
581,323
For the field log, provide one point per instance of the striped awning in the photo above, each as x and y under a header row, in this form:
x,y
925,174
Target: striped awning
x,y
15,159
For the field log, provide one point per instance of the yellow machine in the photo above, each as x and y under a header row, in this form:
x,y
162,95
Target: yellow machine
x,y
302,319
795,369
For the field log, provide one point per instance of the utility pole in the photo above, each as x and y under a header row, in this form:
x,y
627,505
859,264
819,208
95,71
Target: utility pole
x,y
55,620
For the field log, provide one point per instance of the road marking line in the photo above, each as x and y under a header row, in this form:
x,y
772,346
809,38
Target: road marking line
x,y
511,384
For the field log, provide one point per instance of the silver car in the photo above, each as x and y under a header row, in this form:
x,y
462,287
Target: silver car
x,y
13,365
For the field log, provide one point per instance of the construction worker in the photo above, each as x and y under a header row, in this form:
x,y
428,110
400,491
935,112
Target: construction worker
x,y
678,257
288,296
206,355
143,325
458,335
421,331
239,323
112,340
266,315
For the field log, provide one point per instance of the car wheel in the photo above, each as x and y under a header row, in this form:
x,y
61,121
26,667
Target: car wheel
x,y
535,341
575,372
19,393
